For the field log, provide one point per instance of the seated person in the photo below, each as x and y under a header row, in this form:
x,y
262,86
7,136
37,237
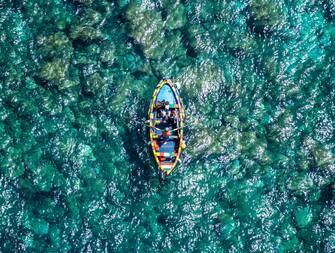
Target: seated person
x,y
163,115
163,111
166,105
159,104
162,105
166,133
173,117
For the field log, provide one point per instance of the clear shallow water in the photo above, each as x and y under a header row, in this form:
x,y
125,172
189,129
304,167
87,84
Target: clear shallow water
x,y
258,82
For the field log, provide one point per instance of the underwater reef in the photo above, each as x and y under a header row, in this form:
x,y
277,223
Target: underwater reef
x,y
257,78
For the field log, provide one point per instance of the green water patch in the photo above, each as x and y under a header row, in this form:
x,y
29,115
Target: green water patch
x,y
257,81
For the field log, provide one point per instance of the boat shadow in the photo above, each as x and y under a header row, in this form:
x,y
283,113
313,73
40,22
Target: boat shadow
x,y
143,176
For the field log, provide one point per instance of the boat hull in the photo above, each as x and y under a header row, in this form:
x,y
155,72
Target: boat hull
x,y
166,150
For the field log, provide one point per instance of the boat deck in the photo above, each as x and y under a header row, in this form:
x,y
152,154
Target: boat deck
x,y
166,149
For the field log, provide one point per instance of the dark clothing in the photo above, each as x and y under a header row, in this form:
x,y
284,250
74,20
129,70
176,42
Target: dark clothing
x,y
159,105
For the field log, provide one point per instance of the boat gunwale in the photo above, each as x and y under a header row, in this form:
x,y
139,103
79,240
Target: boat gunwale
x,y
181,116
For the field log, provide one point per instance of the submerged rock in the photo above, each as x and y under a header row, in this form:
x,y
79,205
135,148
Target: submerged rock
x,y
108,54
256,78
301,184
56,45
38,226
323,157
93,84
146,28
85,33
86,2
201,79
266,15
90,17
303,216
54,71
44,176
176,18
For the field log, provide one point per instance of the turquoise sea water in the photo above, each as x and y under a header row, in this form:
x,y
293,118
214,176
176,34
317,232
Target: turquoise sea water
x,y
257,78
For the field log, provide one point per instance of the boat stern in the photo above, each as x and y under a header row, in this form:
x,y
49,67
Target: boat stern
x,y
166,168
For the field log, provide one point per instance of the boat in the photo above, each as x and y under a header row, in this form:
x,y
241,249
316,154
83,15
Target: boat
x,y
166,150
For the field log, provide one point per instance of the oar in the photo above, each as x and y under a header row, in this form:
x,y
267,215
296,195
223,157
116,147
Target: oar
x,y
178,128
154,127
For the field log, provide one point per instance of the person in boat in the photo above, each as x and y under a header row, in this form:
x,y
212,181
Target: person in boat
x,y
166,105
173,117
163,115
163,110
166,133
162,105
159,104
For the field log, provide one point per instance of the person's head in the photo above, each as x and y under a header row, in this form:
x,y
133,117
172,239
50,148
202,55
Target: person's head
x,y
163,113
167,129
166,106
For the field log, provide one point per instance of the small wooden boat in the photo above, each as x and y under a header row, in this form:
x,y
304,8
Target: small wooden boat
x,y
166,114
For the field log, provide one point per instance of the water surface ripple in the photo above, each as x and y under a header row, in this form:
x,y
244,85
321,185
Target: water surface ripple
x,y
257,79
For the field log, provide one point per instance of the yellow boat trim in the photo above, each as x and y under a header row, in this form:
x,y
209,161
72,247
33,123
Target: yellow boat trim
x,y
181,124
